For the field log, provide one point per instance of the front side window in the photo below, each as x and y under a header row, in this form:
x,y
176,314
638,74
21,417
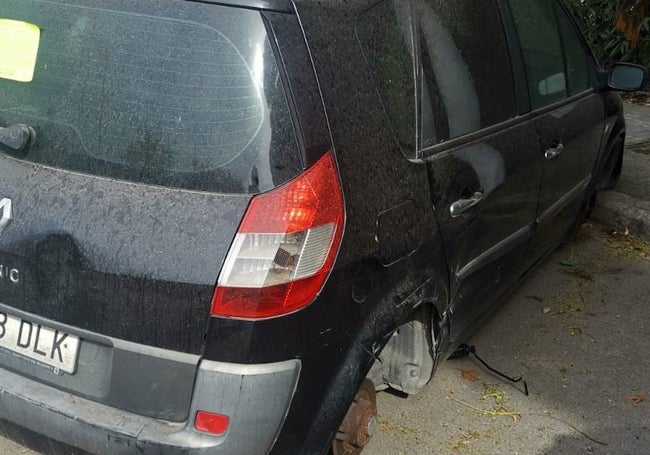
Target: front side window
x,y
466,77
580,68
542,50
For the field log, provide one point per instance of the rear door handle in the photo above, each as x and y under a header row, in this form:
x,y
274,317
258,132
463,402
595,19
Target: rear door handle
x,y
554,152
463,205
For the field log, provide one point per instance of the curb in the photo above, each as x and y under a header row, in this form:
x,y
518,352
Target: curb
x,y
619,210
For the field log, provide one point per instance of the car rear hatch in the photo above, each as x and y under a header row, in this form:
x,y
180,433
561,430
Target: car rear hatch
x,y
134,135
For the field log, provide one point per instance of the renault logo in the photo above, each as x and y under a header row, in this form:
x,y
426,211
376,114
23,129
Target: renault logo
x,y
5,213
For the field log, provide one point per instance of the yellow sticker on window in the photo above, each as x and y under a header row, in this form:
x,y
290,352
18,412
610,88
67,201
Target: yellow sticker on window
x,y
18,49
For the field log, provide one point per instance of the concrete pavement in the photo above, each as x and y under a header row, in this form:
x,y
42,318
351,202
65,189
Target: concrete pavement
x,y
627,206
637,117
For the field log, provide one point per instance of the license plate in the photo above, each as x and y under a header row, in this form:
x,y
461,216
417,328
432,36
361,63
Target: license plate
x,y
50,347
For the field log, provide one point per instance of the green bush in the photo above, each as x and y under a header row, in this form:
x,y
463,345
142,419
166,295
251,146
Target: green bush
x,y
598,18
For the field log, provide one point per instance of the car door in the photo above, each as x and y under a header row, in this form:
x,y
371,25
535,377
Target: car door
x,y
567,110
481,156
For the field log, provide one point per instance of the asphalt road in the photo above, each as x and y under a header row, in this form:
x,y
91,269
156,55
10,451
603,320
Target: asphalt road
x,y
577,330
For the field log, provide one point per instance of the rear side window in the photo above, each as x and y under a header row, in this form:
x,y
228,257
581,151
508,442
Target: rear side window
x,y
542,50
171,93
467,82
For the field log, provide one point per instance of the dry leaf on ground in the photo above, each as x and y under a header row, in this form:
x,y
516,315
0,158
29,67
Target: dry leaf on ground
x,y
469,375
637,399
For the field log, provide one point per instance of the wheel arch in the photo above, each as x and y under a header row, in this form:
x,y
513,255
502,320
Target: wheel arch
x,y
611,160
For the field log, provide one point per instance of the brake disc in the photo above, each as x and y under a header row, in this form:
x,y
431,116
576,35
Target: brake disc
x,y
359,423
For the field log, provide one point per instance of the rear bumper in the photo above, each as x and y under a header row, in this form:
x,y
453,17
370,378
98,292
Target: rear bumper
x,y
255,397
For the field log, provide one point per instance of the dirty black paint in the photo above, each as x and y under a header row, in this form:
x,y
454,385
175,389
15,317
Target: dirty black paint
x,y
124,260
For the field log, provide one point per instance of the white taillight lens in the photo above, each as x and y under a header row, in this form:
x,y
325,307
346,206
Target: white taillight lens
x,y
259,260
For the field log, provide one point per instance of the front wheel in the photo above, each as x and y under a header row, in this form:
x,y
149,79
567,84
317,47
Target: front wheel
x,y
590,203
613,167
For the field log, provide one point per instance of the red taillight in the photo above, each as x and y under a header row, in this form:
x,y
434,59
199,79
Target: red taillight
x,y
209,422
285,247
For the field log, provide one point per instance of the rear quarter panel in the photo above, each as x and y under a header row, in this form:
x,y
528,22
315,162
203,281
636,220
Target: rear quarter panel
x,y
391,258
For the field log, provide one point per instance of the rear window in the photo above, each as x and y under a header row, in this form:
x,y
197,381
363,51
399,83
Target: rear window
x,y
171,93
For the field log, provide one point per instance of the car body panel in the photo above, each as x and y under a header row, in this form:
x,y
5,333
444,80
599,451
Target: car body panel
x,y
111,257
578,126
485,246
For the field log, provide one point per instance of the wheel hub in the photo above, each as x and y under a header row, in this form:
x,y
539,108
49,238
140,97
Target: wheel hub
x,y
359,423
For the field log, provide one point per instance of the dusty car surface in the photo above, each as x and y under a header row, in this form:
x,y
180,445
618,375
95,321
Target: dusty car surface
x,y
225,224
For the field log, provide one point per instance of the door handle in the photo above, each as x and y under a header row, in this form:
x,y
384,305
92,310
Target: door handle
x,y
554,152
463,205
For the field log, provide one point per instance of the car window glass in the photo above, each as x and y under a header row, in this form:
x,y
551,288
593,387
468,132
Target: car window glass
x,y
385,35
577,59
466,78
184,95
542,50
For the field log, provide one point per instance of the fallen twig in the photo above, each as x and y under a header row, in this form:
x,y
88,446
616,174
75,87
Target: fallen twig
x,y
489,412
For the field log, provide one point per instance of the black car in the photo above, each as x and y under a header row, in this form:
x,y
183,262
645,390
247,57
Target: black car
x,y
225,224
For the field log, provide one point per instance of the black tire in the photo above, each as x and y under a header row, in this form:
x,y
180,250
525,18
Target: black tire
x,y
585,212
613,167
590,203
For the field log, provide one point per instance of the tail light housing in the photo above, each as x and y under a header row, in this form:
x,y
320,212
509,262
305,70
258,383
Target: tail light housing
x,y
285,247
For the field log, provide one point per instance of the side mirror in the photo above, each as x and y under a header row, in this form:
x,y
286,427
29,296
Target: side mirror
x,y
625,77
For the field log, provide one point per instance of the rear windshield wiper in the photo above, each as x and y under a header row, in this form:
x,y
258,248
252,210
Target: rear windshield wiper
x,y
18,137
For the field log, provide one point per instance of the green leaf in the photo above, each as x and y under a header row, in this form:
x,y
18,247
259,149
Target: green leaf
x,y
568,263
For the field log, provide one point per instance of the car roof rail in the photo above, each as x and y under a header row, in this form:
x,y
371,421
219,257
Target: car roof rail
x,y
281,6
